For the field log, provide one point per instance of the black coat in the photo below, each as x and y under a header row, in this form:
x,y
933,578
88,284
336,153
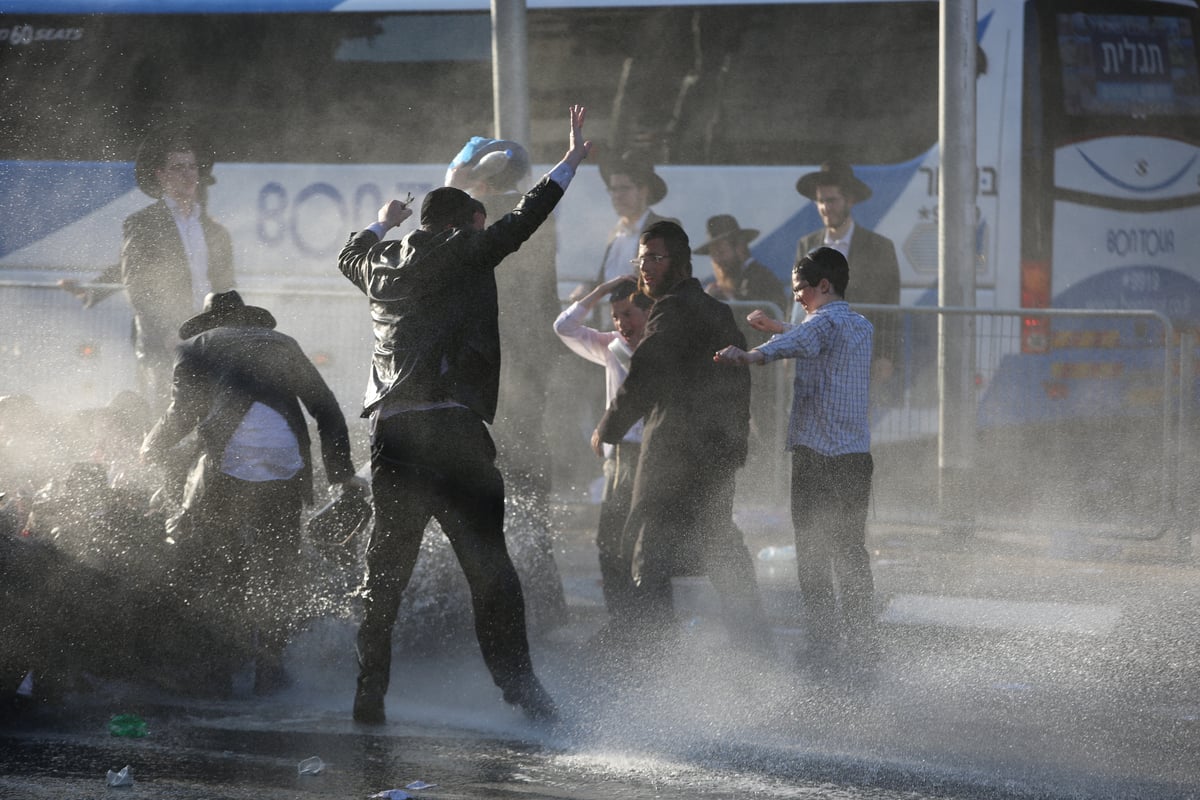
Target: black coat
x,y
874,278
434,308
155,271
220,373
874,270
697,413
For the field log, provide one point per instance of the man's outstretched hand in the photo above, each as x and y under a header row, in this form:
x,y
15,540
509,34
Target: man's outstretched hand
x,y
578,148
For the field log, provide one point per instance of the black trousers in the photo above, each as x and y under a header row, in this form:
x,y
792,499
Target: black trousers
x,y
830,499
440,464
241,559
692,532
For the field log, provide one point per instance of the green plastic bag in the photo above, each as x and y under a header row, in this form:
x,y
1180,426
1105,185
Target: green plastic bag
x,y
129,725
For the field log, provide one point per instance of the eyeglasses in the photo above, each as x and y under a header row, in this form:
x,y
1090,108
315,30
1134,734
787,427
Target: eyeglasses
x,y
179,169
655,257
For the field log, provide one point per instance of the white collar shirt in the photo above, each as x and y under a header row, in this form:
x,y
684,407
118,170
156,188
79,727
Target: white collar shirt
x,y
842,245
191,233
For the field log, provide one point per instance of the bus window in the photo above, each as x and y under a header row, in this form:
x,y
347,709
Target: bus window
x,y
733,84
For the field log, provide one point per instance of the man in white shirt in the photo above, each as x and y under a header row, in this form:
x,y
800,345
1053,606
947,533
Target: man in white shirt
x,y
172,252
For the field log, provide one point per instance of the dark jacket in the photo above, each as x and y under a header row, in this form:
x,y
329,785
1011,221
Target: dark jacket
x,y
434,308
874,270
874,278
694,409
759,284
155,271
221,373
697,421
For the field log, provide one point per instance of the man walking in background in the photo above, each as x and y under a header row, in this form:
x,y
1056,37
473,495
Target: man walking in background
x,y
736,275
172,252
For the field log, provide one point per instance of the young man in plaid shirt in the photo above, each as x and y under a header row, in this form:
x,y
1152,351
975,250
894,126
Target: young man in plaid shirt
x,y
830,439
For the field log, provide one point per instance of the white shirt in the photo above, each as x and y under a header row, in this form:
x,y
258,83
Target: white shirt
x,y
606,348
842,245
263,448
196,249
623,248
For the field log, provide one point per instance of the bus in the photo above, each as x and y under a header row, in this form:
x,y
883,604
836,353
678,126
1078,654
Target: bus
x,y
1088,150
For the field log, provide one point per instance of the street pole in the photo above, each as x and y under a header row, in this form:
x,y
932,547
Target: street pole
x,y
510,75
956,263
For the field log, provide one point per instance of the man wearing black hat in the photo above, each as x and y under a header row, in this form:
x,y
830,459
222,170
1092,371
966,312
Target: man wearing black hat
x,y
172,252
433,390
239,384
874,270
736,275
633,187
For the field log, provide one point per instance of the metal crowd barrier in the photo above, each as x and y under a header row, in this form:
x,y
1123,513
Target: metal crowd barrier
x,y
1083,421
1078,419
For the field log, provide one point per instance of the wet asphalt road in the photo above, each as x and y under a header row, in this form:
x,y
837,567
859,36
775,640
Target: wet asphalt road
x,y
1012,667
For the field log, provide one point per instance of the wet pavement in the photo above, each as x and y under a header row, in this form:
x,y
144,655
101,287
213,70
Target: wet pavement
x,y
1014,666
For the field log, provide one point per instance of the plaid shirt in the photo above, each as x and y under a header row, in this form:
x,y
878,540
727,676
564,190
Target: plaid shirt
x,y
832,348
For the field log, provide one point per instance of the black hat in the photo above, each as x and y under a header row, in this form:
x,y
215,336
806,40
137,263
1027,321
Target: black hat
x,y
725,226
836,173
158,144
225,308
638,166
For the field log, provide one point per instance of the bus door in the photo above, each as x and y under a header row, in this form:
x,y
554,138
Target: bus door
x,y
1111,190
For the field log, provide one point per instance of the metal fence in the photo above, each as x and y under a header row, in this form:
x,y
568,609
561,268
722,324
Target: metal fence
x,y
1082,420
1079,419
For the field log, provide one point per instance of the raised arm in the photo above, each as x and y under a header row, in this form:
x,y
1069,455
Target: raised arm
x,y
593,297
577,147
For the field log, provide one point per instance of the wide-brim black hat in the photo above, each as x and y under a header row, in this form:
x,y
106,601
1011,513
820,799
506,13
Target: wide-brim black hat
x,y
226,308
166,139
725,226
638,166
836,173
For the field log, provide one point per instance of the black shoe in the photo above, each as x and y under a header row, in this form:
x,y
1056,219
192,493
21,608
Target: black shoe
x,y
531,698
368,707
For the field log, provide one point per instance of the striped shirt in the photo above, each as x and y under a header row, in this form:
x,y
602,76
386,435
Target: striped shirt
x,y
832,348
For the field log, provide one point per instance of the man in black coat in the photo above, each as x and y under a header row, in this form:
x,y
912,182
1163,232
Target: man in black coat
x,y
434,383
240,384
172,252
697,419
874,270
736,275
633,187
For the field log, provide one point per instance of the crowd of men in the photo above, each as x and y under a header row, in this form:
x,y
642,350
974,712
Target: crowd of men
x,y
460,308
